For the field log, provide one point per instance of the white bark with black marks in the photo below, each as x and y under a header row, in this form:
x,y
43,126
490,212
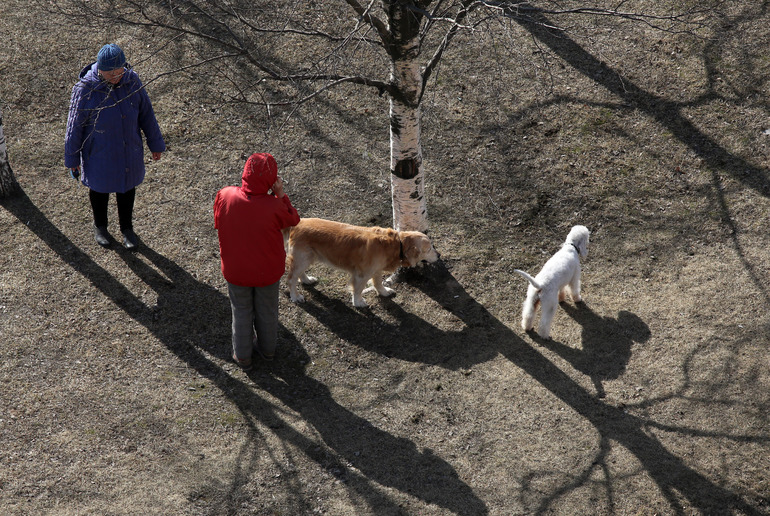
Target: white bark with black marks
x,y
407,177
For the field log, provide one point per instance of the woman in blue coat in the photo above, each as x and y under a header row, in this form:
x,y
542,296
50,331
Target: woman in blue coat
x,y
103,146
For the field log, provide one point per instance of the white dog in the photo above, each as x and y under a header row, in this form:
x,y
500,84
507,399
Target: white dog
x,y
560,275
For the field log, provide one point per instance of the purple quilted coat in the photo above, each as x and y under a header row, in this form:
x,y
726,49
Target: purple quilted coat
x,y
103,131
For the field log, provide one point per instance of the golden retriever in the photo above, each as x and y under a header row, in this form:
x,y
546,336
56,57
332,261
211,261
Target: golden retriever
x,y
364,252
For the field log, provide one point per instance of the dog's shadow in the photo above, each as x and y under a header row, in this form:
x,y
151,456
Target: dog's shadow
x,y
606,343
402,335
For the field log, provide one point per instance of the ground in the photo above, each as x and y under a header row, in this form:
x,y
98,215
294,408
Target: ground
x,y
118,392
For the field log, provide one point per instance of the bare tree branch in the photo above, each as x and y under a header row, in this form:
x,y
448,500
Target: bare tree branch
x,y
365,14
528,12
451,33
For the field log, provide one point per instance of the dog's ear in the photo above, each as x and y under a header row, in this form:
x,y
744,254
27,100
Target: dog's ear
x,y
411,249
583,246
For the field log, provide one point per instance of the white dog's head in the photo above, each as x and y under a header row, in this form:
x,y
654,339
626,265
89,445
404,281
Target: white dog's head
x,y
578,236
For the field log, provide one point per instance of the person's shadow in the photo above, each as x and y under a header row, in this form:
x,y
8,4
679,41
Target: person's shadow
x,y
607,343
192,320
366,453
188,312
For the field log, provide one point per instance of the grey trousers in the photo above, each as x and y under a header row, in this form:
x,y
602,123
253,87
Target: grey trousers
x,y
254,309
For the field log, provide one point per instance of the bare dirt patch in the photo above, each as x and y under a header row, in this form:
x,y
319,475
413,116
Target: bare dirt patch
x,y
653,398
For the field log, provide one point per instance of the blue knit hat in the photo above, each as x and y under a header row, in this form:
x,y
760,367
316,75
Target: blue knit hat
x,y
110,57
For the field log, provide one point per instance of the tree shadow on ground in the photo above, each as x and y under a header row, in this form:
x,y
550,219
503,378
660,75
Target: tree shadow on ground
x,y
673,477
672,114
666,112
192,320
606,351
368,452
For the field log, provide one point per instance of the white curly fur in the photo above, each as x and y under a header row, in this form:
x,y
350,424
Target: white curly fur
x,y
560,275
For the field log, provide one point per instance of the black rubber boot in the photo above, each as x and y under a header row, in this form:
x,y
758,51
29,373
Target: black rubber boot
x,y
102,236
130,240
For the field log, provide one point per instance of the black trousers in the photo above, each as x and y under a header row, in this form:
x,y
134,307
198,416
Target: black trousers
x,y
99,202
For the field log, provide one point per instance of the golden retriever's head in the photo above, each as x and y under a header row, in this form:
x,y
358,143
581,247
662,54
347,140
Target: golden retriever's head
x,y
417,248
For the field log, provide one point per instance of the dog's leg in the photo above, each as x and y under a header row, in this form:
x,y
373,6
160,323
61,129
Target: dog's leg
x,y
308,280
574,287
292,279
297,263
358,282
379,287
529,309
547,311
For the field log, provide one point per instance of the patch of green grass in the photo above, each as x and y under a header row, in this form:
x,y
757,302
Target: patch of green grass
x,y
604,116
229,419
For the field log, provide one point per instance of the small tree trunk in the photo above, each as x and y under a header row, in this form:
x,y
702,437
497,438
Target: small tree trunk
x,y
406,173
8,184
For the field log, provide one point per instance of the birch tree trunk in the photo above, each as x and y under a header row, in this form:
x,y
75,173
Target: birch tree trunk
x,y
8,184
406,171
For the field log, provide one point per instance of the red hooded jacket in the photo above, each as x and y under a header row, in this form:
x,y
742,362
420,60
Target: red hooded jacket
x,y
249,223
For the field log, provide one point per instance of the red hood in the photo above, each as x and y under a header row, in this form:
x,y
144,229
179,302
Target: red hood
x,y
259,174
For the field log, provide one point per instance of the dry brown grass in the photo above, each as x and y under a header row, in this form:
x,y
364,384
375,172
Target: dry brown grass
x,y
653,398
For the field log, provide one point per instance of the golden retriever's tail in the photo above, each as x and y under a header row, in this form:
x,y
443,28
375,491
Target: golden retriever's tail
x,y
529,278
286,234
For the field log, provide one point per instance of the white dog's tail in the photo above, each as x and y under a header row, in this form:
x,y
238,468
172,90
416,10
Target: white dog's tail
x,y
529,278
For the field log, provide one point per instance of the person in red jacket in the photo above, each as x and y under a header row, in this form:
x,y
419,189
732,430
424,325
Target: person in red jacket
x,y
249,219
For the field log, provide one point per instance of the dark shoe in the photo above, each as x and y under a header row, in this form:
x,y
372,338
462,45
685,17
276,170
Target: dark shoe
x,y
102,236
243,363
130,240
256,349
264,356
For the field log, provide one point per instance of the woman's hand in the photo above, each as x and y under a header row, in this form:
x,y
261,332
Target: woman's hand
x,y
278,188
